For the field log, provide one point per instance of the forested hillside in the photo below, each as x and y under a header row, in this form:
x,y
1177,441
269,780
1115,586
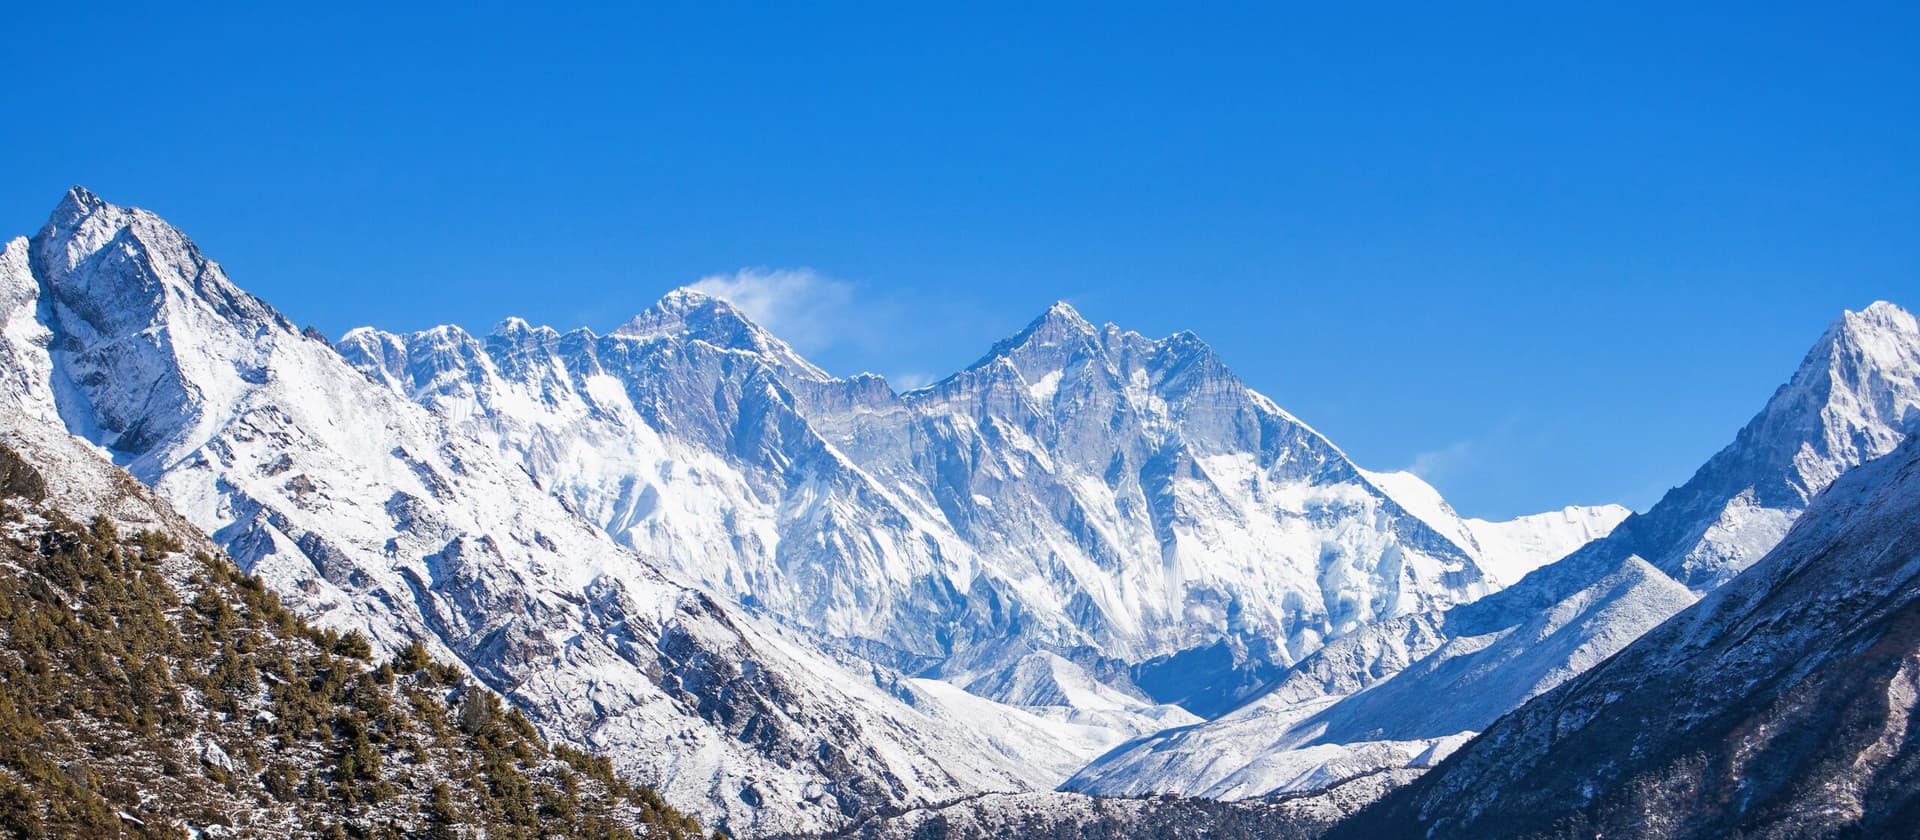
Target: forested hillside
x,y
146,691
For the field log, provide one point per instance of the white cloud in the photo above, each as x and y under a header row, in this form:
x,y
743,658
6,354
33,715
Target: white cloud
x,y
909,380
848,327
1436,463
809,310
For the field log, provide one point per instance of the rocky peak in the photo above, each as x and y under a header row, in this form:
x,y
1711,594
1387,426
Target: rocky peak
x,y
1873,363
516,331
75,206
694,314
121,270
1855,396
1047,344
1061,317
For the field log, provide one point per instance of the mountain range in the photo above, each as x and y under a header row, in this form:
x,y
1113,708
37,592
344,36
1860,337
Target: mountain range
x,y
1079,493
794,602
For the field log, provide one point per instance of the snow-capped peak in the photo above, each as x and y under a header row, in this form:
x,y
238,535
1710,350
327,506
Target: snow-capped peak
x,y
78,203
516,326
1886,314
124,269
1881,337
1055,334
516,332
1063,313
689,312
692,315
1854,398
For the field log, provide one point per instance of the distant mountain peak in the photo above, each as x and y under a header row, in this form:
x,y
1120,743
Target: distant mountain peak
x,y
1045,342
683,310
512,324
689,314
1062,312
689,298
1882,333
1885,312
76,208
78,203
1880,320
516,330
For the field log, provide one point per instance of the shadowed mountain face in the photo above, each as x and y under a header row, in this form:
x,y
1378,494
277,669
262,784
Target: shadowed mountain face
x,y
1781,705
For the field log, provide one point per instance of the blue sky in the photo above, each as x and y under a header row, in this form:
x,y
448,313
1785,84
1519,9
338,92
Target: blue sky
x,y
1546,253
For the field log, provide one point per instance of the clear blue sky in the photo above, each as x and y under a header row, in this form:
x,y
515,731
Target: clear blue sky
x,y
1550,255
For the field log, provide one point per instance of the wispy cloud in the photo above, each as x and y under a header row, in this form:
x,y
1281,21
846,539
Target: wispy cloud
x,y
908,380
809,310
848,326
1437,463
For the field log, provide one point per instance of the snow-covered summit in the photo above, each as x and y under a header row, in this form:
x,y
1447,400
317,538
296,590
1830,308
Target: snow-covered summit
x,y
688,314
1854,398
1512,548
1506,549
692,314
1060,329
87,239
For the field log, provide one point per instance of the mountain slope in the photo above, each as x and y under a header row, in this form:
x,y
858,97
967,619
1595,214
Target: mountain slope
x,y
139,685
1781,705
1069,816
1512,548
1855,396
